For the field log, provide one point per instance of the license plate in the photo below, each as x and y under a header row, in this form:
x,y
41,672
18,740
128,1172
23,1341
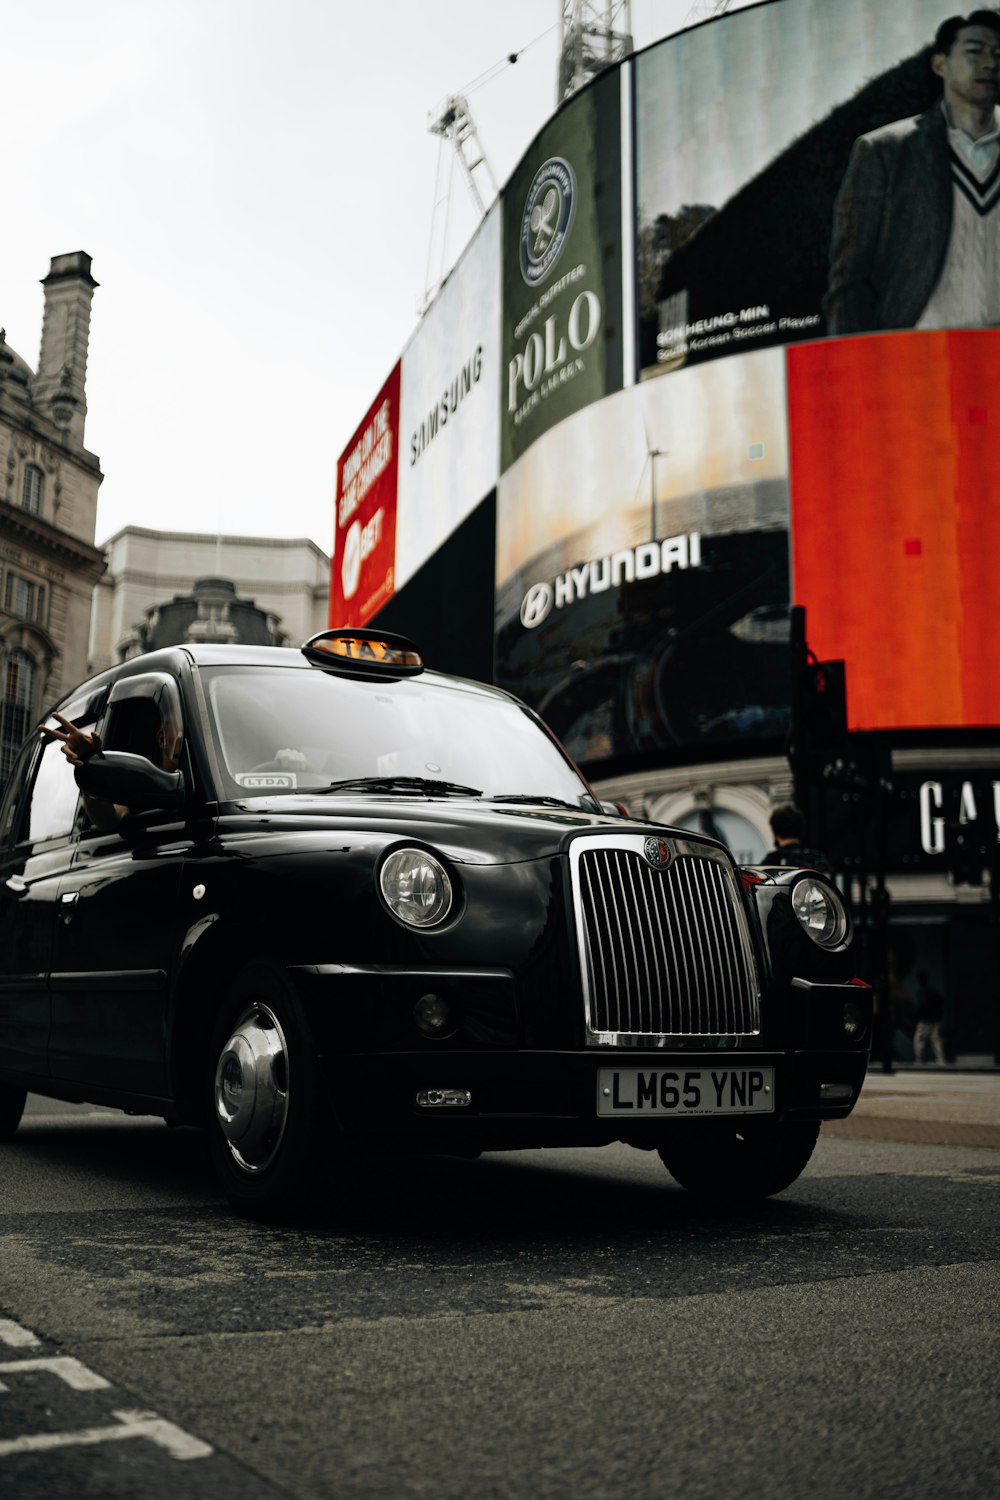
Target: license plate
x,y
685,1091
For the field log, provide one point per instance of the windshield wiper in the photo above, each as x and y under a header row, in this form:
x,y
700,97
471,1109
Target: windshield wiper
x,y
399,784
540,800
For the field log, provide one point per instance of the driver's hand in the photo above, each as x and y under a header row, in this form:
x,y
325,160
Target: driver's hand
x,y
77,745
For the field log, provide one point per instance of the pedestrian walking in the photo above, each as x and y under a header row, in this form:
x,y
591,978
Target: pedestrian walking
x,y
929,1014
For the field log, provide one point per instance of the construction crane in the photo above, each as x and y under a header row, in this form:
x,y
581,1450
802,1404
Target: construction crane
x,y
591,38
454,124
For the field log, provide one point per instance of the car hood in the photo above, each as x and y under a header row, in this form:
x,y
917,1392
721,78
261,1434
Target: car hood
x,y
470,831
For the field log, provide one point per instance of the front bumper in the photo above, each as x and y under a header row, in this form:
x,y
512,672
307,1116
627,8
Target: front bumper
x,y
526,1098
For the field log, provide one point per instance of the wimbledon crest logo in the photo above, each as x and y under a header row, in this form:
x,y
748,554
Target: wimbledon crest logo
x,y
547,217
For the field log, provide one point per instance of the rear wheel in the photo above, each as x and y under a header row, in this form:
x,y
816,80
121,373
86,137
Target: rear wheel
x,y
11,1109
264,1114
733,1162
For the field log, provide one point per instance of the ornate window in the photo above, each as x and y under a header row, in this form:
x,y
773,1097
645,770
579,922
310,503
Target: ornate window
x,y
18,692
31,493
23,598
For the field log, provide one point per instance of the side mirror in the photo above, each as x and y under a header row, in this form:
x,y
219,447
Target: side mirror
x,y
616,809
130,780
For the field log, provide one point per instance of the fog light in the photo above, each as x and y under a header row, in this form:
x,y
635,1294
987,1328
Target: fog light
x,y
854,1021
836,1093
432,1015
444,1098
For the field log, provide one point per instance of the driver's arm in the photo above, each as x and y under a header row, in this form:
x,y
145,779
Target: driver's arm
x,y
78,746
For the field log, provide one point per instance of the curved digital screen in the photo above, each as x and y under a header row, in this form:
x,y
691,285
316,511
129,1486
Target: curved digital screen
x,y
740,357
642,565
794,178
895,527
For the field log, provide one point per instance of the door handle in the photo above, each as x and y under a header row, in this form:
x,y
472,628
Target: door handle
x,y
67,901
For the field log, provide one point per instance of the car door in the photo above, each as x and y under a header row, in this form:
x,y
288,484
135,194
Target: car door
x,y
37,836
118,926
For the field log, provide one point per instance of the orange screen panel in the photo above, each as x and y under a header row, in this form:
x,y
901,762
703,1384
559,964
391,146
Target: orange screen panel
x,y
896,521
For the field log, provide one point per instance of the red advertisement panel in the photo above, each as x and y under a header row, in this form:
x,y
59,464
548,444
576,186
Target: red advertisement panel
x,y
362,572
895,529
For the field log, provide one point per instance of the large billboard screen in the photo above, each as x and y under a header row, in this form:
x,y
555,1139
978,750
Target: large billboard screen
x,y
642,566
449,405
895,527
362,568
795,177
562,269
803,238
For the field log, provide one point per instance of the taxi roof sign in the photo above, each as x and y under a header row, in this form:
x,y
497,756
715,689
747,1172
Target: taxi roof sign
x,y
374,653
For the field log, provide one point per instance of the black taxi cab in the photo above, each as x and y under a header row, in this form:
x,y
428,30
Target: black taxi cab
x,y
363,906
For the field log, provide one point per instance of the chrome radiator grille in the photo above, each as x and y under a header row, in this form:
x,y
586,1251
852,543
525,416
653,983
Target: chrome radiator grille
x,y
664,951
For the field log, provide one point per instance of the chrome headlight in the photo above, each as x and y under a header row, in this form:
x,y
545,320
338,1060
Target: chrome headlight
x,y
416,887
820,911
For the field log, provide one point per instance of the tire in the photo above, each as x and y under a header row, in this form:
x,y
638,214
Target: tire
x,y
264,1125
734,1163
11,1109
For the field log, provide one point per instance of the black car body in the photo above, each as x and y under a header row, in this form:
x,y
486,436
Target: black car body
x,y
377,907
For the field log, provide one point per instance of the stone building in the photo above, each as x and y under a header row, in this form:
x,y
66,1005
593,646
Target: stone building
x,y
212,612
48,508
180,585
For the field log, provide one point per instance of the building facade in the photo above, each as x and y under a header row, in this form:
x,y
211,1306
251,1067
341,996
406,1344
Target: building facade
x,y
48,508
275,585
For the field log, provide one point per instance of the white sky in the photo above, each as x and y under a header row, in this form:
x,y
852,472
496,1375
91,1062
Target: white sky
x,y
255,183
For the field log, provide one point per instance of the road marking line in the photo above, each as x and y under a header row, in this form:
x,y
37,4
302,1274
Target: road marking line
x,y
143,1424
76,1375
15,1336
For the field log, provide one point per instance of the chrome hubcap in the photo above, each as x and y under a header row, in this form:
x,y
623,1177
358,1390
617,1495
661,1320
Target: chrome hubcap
x,y
251,1089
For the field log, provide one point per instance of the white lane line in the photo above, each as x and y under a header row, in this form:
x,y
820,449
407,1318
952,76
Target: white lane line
x,y
15,1336
76,1375
133,1424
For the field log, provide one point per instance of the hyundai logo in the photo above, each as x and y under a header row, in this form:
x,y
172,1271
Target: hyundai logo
x,y
536,605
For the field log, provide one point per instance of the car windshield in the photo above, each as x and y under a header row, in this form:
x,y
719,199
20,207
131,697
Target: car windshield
x,y
302,729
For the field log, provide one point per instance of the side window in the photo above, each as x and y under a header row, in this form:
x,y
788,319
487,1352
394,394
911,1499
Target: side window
x,y
12,807
52,812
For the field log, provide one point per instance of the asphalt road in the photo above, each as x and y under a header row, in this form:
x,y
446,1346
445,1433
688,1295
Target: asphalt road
x,y
564,1324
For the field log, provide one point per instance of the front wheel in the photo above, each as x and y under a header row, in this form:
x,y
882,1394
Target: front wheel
x,y
264,1108
12,1102
733,1162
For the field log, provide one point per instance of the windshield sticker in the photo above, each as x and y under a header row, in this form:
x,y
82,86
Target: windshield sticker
x,y
271,781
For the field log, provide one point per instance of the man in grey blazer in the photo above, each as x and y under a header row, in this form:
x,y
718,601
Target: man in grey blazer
x,y
916,224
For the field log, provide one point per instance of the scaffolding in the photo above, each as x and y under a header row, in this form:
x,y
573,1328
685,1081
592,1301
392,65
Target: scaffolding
x,y
591,38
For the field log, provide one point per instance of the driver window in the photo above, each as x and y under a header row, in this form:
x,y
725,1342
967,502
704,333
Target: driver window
x,y
134,725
